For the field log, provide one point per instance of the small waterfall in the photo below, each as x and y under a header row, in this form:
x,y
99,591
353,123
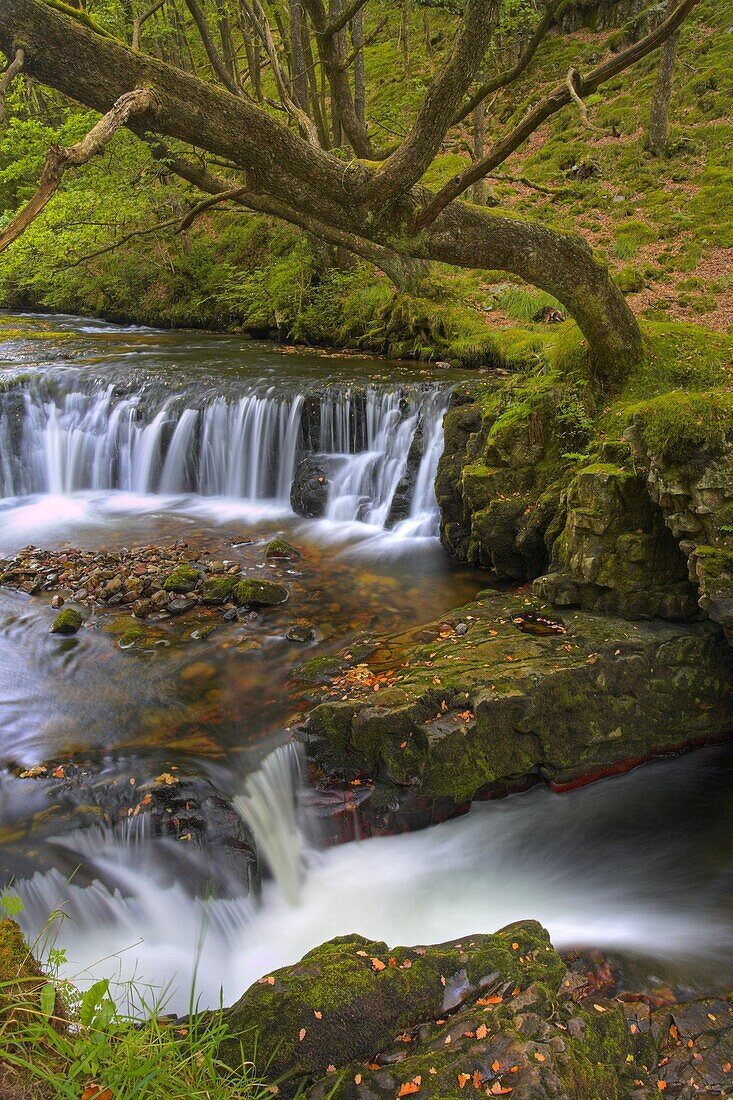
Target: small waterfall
x,y
269,806
65,433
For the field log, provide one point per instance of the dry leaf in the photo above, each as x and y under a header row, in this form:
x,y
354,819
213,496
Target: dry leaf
x,y
357,1079
318,1015
410,1086
495,1066
482,1031
301,1034
378,965
463,1079
267,981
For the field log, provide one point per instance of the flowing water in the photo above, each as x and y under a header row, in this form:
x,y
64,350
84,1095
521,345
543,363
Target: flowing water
x,y
113,437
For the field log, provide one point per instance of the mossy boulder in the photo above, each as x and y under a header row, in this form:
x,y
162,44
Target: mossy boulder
x,y
279,549
182,580
217,589
495,1014
522,697
348,998
68,621
258,593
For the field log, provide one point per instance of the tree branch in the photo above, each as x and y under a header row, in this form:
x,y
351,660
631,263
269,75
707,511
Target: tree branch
x,y
412,158
7,79
550,105
211,52
138,22
570,82
552,10
344,18
332,52
60,158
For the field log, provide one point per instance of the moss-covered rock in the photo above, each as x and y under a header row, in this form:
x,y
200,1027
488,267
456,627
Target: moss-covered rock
x,y
182,580
258,593
521,697
68,621
280,549
217,589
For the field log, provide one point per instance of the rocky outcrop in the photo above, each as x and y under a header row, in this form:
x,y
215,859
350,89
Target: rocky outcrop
x,y
633,527
501,695
493,1015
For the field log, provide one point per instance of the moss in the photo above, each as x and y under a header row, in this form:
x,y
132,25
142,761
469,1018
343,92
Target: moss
x,y
677,426
256,593
717,568
68,621
218,589
130,637
79,16
182,580
280,548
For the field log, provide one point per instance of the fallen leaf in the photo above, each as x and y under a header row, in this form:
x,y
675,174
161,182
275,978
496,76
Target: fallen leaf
x,y
478,1079
301,1034
378,965
515,947
318,1015
392,961
96,1092
364,954
331,1068
463,1079
661,1085
539,1057
410,1086
495,1066
482,1031
493,1000
267,981
357,1079
406,965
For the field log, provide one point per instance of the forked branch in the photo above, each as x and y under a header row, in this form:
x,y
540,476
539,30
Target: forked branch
x,y
59,158
7,79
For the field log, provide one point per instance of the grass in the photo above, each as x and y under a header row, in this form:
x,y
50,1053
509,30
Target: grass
x,y
57,1042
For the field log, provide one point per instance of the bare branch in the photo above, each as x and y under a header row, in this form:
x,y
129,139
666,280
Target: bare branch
x,y
7,79
550,105
552,10
349,61
344,18
211,52
570,81
60,158
138,22
262,25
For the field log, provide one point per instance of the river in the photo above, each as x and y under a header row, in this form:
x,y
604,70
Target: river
x,y
113,437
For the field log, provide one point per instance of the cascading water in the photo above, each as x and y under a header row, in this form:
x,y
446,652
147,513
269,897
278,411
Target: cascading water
x,y
65,433
269,806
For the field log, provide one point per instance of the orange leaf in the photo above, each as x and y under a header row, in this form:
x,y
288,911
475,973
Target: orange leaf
x,y
727,1067
392,961
301,1034
489,1000
498,1090
478,1079
661,1085
496,1066
515,947
463,1079
539,1057
318,1015
482,1031
96,1092
410,1086
357,1079
331,1068
267,981
378,965
406,965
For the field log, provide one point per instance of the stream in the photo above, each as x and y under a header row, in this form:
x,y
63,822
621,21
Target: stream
x,y
113,437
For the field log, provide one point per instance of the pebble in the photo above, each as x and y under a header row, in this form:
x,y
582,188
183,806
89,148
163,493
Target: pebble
x,y
461,629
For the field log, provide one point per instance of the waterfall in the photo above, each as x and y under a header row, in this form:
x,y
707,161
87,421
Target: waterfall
x,y
63,433
269,807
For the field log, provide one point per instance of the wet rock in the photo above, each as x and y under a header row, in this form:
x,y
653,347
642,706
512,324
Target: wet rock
x,y
279,549
180,605
57,601
217,589
311,483
67,621
182,580
517,708
300,633
259,593
130,638
355,1018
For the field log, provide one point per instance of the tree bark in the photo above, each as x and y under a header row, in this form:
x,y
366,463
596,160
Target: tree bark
x,y
659,114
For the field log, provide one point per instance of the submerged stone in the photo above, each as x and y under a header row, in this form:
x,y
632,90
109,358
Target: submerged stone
x,y
280,549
